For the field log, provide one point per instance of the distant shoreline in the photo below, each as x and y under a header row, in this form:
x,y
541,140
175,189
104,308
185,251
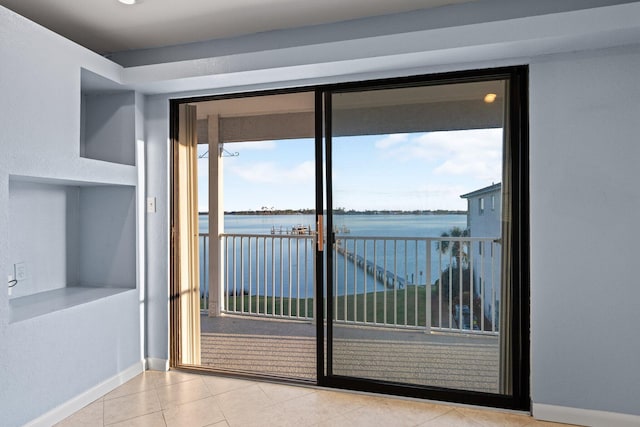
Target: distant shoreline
x,y
342,212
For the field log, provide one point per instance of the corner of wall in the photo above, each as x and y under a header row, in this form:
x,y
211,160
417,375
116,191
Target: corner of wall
x,y
153,364
73,405
586,417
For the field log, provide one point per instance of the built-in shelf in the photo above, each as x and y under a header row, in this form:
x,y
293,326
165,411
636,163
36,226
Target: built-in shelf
x,y
69,237
107,120
42,303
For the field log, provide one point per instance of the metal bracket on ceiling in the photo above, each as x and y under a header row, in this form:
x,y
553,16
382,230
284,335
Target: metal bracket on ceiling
x,y
226,153
223,153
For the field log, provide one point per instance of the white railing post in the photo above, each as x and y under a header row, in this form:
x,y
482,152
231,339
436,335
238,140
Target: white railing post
x,y
482,283
240,258
471,285
216,219
427,284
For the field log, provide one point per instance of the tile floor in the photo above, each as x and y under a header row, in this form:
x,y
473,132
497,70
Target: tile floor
x,y
183,399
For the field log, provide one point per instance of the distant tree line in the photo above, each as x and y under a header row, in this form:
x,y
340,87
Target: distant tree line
x,y
343,211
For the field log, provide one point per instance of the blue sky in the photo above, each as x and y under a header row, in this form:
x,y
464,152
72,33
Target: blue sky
x,y
399,171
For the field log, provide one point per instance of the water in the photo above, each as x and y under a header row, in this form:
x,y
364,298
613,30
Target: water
x,y
358,225
296,276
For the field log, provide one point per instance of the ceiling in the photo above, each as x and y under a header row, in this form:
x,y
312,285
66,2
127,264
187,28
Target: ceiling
x,y
107,26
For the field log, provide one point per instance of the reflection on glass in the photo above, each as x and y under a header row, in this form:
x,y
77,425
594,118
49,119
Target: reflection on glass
x,y
417,210
257,266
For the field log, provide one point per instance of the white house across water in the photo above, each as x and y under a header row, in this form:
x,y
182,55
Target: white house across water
x,y
484,207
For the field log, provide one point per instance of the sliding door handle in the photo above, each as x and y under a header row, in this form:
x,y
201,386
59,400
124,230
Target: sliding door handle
x,y
320,233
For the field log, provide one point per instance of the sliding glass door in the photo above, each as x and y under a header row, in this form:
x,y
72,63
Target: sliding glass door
x,y
420,247
247,288
370,236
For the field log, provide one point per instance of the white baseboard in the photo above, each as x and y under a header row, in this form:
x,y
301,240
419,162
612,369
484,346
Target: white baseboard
x,y
153,364
73,405
584,417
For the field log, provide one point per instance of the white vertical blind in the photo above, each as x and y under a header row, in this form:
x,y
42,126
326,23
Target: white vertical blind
x,y
187,241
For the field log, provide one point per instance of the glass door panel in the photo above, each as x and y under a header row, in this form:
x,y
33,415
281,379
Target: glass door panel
x,y
416,223
254,191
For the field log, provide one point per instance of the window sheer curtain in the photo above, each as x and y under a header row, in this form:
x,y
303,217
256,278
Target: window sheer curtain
x,y
186,211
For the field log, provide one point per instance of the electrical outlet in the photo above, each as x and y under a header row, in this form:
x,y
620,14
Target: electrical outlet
x,y
20,270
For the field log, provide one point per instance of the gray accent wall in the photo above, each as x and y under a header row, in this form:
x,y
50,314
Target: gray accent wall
x,y
108,126
107,224
585,199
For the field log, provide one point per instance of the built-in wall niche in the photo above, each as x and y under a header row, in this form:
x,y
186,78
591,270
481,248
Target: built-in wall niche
x,y
74,242
107,120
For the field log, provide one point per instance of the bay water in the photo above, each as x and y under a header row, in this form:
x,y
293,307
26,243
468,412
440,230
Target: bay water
x,y
285,267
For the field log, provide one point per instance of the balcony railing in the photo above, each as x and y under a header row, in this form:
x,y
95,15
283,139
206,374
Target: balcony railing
x,y
436,284
269,275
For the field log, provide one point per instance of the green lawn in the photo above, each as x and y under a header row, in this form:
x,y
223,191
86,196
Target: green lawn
x,y
257,304
375,306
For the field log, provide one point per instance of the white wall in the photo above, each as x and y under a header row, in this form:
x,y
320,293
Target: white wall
x,y
584,115
584,152
42,235
157,227
48,360
585,199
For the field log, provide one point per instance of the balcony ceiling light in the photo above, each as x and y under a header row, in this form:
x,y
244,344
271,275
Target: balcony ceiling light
x,y
490,97
127,2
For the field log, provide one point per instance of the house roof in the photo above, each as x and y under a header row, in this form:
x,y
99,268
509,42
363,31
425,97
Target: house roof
x,y
490,189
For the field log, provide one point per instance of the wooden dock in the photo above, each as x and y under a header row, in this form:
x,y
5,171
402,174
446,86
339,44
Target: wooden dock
x,y
383,275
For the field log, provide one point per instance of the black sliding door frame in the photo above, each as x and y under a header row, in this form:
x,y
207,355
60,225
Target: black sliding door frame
x,y
517,137
320,107
517,128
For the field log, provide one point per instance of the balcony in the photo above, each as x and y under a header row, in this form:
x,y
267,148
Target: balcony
x,y
433,300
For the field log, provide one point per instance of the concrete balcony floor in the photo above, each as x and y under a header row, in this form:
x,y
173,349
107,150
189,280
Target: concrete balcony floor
x,y
288,349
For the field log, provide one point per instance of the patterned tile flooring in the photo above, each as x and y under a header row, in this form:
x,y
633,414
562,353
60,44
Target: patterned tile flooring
x,y
178,398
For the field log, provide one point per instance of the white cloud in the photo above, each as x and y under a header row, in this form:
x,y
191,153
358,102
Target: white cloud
x,y
305,171
250,145
442,196
392,140
427,196
473,153
272,173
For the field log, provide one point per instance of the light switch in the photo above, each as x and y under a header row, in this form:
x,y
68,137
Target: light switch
x,y
151,204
